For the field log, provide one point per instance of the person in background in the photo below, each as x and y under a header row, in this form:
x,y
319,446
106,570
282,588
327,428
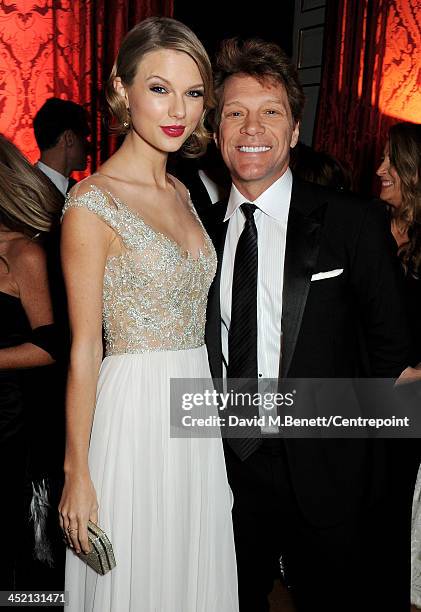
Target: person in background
x,y
29,207
61,130
319,167
400,175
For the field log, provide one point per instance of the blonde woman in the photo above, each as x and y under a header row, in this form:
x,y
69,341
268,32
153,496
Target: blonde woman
x,y
136,256
28,209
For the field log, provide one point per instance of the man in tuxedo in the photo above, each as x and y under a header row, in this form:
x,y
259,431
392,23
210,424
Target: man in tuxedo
x,y
307,286
61,131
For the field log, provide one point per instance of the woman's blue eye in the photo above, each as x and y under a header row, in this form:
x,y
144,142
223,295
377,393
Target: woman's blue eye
x,y
195,93
158,89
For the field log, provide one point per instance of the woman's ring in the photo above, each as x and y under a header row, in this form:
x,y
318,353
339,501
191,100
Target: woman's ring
x,y
70,529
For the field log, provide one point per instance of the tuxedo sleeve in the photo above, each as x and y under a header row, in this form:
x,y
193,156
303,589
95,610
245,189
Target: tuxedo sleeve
x,y
378,283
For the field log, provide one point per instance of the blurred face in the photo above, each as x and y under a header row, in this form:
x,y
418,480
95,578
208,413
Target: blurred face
x,y
255,133
165,99
390,181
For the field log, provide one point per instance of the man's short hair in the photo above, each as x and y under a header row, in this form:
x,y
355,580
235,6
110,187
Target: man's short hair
x,y
261,60
55,117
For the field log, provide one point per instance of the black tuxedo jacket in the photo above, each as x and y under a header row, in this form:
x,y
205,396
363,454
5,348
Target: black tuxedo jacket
x,y
353,324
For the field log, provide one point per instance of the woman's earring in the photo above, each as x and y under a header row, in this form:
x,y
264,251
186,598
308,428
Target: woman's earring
x,y
126,124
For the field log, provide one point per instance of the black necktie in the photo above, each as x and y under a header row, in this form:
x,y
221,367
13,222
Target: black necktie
x,y
242,336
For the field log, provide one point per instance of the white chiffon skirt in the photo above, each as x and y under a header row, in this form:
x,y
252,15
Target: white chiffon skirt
x,y
164,502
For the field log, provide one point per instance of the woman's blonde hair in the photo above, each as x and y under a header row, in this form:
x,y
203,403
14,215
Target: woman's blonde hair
x,y
405,156
153,34
28,202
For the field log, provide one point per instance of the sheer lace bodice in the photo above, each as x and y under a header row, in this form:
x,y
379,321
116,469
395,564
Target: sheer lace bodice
x,y
154,292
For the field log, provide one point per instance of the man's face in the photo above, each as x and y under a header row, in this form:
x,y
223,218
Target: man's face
x,y
255,133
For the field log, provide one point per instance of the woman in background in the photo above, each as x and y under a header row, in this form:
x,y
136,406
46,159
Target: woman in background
x,y
28,208
400,174
136,257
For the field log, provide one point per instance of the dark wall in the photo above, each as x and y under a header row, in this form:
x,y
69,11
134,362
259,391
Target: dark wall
x,y
215,20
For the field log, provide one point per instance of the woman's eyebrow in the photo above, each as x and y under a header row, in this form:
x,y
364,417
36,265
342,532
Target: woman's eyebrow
x,y
157,76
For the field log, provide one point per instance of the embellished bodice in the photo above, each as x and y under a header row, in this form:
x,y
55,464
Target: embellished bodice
x,y
154,293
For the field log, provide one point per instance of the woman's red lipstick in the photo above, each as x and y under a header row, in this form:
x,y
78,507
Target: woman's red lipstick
x,y
173,130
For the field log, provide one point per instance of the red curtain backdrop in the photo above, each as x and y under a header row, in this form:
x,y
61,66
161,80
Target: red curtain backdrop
x,y
371,79
62,48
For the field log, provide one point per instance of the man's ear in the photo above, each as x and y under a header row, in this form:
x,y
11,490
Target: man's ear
x,y
295,135
67,138
120,89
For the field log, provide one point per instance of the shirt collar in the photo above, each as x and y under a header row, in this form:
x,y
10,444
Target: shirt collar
x,y
271,201
59,180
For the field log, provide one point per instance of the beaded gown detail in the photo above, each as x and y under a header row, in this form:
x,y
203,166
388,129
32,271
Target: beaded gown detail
x,y
164,502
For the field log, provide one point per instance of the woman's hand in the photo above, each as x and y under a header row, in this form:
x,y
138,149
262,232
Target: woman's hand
x,y
78,505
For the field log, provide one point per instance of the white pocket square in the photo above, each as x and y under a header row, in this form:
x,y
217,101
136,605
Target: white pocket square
x,y
330,274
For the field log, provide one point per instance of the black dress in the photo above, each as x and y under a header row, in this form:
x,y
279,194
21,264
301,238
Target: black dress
x,y
31,451
14,329
42,567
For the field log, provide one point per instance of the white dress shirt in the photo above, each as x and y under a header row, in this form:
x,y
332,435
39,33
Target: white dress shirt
x,y
59,180
271,218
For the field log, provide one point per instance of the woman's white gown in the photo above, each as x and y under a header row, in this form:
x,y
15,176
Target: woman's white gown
x,y
164,502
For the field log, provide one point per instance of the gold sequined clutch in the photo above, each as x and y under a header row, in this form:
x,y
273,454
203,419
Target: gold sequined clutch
x,y
101,556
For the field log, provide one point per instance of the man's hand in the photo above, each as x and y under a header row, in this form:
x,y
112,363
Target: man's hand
x,y
410,375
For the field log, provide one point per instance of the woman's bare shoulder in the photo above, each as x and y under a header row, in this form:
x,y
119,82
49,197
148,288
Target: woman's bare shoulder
x,y
87,185
26,255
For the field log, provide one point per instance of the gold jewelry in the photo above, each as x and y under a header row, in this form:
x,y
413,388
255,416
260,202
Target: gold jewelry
x,y
70,529
126,123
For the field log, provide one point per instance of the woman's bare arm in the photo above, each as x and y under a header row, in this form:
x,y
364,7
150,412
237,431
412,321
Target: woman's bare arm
x,y
30,274
85,243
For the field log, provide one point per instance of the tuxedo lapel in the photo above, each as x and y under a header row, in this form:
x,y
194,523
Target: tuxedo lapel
x,y
217,230
305,222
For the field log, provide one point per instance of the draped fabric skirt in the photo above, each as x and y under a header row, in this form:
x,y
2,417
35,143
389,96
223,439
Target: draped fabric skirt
x,y
164,502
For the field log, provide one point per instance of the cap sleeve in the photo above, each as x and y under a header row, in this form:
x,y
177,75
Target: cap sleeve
x,y
95,200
